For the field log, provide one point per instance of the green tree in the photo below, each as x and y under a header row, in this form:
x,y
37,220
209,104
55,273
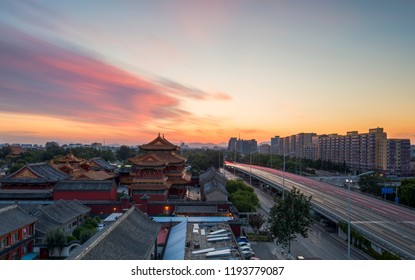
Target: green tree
x,y
56,239
242,196
406,192
289,217
371,184
125,152
256,221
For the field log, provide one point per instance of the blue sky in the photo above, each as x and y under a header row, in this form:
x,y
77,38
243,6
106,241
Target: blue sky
x,y
204,70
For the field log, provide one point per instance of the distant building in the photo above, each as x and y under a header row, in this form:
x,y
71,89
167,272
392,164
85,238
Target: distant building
x,y
232,144
398,157
275,146
17,230
16,150
361,152
265,149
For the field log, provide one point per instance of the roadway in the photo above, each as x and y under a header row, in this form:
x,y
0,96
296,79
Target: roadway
x,y
319,243
390,226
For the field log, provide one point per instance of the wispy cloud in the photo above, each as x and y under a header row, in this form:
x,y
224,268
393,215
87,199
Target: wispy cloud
x,y
37,77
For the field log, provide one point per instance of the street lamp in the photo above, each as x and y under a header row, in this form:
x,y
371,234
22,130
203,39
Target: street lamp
x,y
250,168
348,182
283,173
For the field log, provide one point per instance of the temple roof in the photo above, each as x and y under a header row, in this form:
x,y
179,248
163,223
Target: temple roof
x,y
35,173
149,160
13,218
87,185
157,159
159,144
58,214
184,180
153,187
101,175
16,150
131,237
102,163
69,158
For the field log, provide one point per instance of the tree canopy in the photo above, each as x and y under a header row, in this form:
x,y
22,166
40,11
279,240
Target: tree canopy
x,y
407,192
290,216
242,196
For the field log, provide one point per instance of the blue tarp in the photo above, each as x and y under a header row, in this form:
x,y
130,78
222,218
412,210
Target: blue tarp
x,y
176,244
30,256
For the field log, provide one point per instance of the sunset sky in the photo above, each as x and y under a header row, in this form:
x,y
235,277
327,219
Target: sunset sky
x,y
204,71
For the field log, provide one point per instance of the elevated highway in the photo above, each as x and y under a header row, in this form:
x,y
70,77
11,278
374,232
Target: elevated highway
x,y
389,226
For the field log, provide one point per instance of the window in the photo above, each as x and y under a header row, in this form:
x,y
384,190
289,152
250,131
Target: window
x,y
15,237
25,250
3,243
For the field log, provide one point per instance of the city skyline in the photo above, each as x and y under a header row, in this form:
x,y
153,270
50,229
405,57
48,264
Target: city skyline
x,y
201,71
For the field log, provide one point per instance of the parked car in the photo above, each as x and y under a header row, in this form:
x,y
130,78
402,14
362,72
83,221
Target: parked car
x,y
242,239
248,255
240,244
245,249
100,227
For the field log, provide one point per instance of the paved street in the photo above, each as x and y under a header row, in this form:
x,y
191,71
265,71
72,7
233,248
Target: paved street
x,y
321,243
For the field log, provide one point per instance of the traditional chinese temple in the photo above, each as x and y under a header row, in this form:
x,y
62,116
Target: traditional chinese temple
x,y
81,169
159,174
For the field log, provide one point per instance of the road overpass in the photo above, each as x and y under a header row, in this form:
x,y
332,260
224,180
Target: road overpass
x,y
389,226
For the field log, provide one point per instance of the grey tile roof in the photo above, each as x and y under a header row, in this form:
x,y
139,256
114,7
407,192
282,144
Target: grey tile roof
x,y
25,194
58,214
211,180
84,185
131,237
12,218
44,170
103,164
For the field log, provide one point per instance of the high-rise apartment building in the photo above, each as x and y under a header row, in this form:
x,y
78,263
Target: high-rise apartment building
x,y
275,145
398,157
232,144
242,146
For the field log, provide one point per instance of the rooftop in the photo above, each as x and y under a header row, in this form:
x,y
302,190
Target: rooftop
x,y
12,218
159,144
35,173
131,237
84,185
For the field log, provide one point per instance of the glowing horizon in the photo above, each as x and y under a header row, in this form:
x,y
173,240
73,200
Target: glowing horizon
x,y
204,71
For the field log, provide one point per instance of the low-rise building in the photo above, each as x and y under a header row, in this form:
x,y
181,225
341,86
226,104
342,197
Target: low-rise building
x,y
133,236
17,231
213,186
62,214
33,176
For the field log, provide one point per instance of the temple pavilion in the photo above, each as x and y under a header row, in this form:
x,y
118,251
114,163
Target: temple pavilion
x,y
159,174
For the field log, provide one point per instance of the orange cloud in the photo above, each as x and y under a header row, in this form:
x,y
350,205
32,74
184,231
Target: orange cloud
x,y
39,78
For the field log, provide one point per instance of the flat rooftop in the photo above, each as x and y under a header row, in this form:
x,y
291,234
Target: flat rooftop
x,y
208,240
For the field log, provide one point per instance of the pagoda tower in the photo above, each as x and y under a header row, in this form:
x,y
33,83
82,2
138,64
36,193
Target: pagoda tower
x,y
159,174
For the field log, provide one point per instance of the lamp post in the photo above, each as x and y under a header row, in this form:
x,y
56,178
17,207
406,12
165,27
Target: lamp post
x,y
348,182
283,176
250,168
283,172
